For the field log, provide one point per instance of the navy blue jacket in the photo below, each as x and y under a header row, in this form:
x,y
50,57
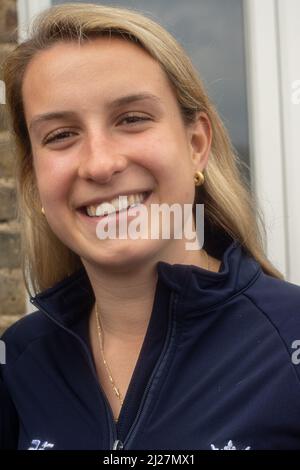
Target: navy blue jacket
x,y
216,369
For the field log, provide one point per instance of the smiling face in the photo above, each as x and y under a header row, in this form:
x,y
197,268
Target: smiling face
x,y
119,132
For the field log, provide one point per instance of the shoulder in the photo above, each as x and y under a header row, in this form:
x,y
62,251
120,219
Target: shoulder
x,y
277,298
278,301
23,333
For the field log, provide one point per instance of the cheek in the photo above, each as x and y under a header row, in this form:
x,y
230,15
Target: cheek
x,y
52,179
162,154
174,178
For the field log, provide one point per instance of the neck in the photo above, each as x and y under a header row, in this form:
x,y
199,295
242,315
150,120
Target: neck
x,y
124,303
125,295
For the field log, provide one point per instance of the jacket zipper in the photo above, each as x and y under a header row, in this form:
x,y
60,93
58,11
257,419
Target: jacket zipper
x,y
115,442
160,363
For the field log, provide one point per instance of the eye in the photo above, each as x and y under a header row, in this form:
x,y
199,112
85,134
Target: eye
x,y
134,118
57,136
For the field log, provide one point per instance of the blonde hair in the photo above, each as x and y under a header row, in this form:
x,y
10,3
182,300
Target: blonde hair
x,y
230,211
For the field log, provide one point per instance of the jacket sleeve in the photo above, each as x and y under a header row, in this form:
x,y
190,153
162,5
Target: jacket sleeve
x,y
9,423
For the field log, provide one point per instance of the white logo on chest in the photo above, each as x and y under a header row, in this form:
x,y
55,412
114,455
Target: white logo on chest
x,y
36,444
229,446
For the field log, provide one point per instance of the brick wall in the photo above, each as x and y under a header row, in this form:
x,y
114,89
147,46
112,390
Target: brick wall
x,y
12,290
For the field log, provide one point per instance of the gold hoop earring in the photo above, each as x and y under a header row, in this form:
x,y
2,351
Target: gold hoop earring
x,y
198,178
42,211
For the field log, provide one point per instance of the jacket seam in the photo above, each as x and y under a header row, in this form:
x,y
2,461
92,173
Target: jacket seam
x,y
277,331
255,277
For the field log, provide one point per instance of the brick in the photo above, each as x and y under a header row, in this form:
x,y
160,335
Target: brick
x,y
12,226
12,293
5,49
7,160
3,118
9,246
8,21
7,203
12,288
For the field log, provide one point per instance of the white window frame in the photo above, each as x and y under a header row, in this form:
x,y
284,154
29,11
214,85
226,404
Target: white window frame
x,y
272,37
26,10
288,14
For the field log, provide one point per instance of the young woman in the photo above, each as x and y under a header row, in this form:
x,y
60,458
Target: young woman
x,y
137,343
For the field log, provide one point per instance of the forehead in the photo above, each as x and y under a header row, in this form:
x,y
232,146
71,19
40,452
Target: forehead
x,y
67,73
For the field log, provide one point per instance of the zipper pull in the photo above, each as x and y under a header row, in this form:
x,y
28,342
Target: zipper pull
x,y
118,445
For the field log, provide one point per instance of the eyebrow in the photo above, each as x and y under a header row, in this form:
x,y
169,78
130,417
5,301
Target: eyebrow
x,y
123,100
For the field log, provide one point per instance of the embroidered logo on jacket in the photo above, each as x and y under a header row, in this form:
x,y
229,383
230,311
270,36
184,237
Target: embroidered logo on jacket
x,y
36,444
229,446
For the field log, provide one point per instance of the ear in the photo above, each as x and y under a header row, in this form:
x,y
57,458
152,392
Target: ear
x,y
200,137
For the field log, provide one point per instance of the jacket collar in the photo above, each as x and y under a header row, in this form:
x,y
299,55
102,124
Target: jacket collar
x,y
197,288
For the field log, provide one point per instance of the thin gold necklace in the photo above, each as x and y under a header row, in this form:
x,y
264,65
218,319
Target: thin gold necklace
x,y
100,336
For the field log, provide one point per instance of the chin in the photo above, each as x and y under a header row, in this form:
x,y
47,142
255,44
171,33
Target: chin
x,y
122,253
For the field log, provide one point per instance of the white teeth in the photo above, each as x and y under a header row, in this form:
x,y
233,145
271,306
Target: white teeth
x,y
117,204
91,211
104,208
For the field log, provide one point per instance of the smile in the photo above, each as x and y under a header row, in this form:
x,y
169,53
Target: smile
x,y
118,204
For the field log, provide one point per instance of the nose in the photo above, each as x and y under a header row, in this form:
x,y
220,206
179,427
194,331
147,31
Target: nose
x,y
100,159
